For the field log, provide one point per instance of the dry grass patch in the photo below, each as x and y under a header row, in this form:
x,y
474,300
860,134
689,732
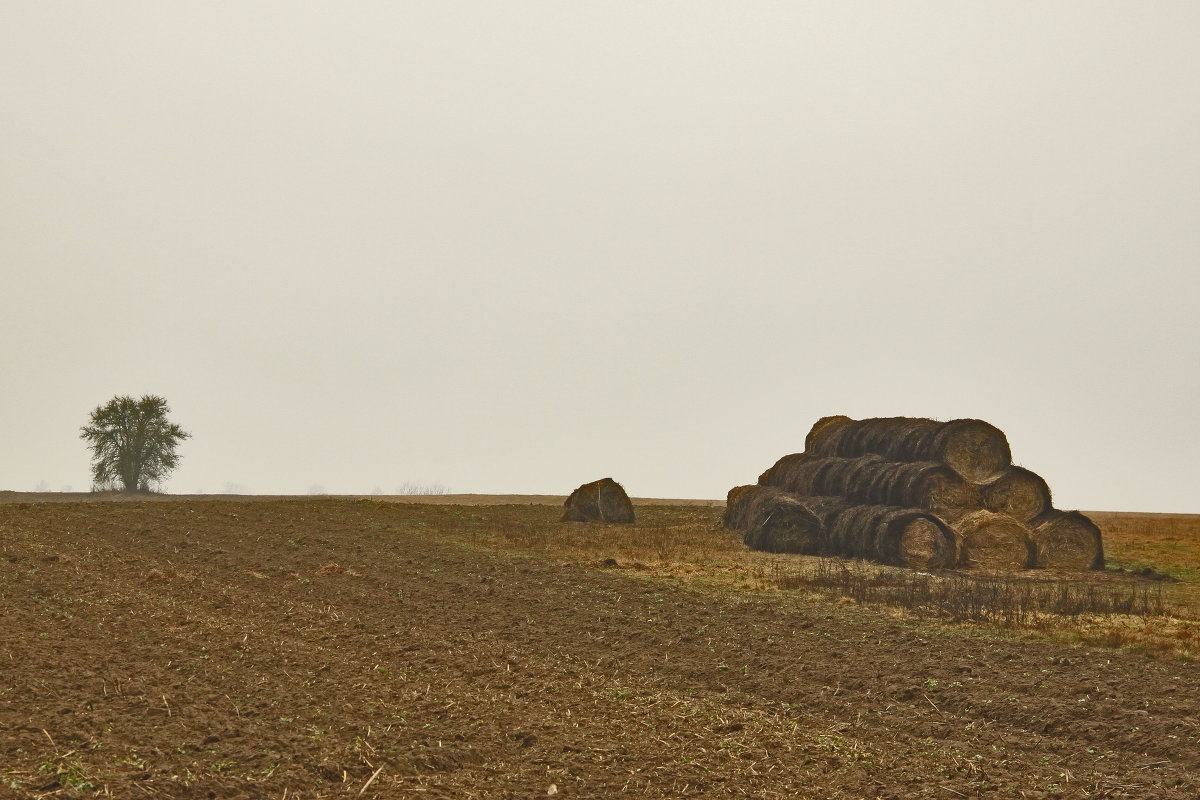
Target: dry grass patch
x,y
1108,610
1112,608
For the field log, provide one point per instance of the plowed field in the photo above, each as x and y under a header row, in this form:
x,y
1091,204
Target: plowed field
x,y
337,648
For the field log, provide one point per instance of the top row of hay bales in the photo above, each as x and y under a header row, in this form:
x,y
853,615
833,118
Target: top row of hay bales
x,y
958,475
975,450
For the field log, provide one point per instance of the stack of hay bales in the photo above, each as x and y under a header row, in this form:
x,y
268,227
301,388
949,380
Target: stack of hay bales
x,y
912,492
779,521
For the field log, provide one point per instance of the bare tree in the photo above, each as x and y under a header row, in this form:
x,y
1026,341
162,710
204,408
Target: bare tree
x,y
133,443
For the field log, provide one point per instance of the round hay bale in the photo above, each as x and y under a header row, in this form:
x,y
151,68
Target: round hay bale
x,y
827,429
1068,540
852,532
1018,492
778,521
788,527
889,535
773,520
933,487
915,539
740,505
987,540
972,448
813,477
869,480
599,501
743,504
778,474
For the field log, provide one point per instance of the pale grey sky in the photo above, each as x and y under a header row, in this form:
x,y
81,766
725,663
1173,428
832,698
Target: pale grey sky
x,y
513,247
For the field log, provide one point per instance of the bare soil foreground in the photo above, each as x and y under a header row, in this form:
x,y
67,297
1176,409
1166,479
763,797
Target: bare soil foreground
x,y
357,648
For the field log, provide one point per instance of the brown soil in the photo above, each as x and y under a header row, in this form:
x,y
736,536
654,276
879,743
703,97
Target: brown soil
x,y
300,648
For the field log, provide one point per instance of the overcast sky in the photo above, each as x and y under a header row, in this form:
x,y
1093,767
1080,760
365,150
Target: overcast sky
x,y
514,247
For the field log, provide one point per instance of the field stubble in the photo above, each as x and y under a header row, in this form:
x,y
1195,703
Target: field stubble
x,y
331,648
1148,599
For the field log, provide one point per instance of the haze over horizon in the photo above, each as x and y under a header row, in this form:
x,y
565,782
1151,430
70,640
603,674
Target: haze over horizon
x,y
510,248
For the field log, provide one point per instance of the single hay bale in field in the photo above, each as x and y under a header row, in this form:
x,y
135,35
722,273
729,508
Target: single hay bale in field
x,y
987,540
972,448
1018,492
1068,540
774,521
599,501
898,536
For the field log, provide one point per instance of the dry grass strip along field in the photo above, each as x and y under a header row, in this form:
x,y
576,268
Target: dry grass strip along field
x,y
354,648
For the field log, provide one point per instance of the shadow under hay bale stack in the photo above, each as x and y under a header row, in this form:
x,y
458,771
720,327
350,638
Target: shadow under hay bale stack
x,y
599,501
987,540
1068,540
774,521
975,450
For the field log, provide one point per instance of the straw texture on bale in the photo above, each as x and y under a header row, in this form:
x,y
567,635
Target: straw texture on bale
x,y
869,480
779,522
928,494
740,504
975,450
599,501
898,536
774,521
987,540
781,474
1068,540
1021,494
777,475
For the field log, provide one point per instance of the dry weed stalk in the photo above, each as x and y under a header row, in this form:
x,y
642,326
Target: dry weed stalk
x,y
1002,599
